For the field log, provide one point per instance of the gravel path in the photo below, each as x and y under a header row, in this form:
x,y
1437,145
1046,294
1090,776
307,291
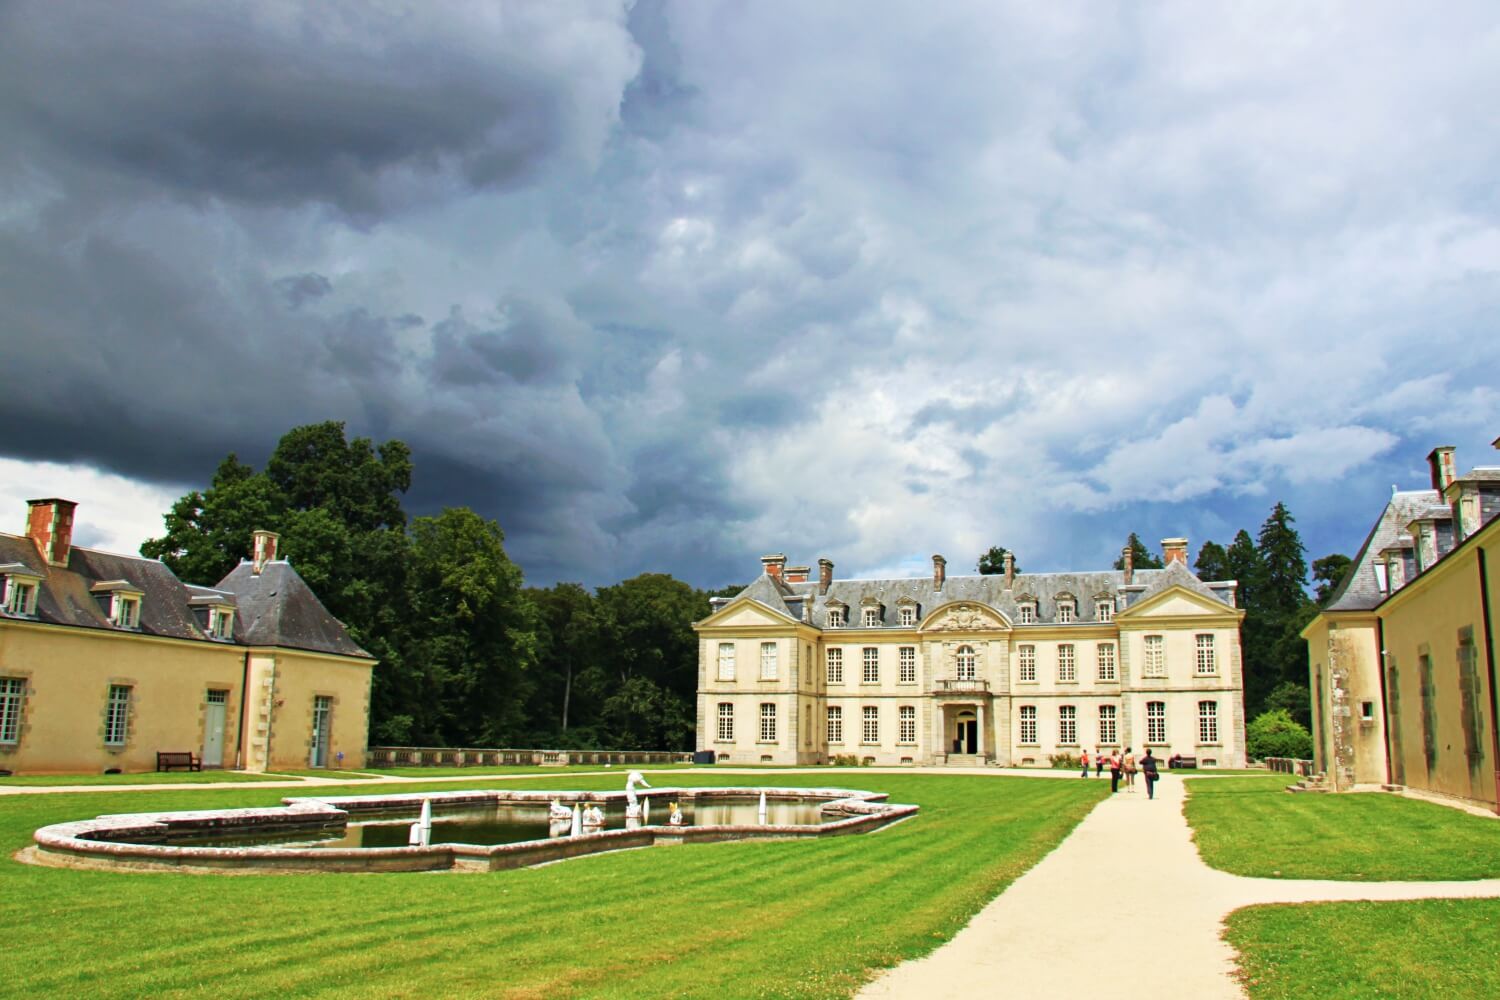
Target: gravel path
x,y
1078,924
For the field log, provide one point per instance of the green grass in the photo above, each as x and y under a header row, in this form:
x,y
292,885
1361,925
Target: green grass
x,y
1430,948
1251,826
142,778
475,772
332,774
788,919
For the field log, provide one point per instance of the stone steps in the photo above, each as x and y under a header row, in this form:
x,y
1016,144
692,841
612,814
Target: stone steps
x,y
1312,783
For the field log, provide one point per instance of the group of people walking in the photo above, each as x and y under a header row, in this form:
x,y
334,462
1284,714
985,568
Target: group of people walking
x,y
1124,765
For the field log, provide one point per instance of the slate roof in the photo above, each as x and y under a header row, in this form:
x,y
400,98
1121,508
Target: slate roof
x,y
989,590
1359,590
278,608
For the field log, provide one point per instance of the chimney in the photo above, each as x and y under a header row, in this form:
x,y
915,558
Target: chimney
x,y
49,525
262,549
1440,460
797,574
773,565
1010,569
825,576
1174,550
1127,560
939,572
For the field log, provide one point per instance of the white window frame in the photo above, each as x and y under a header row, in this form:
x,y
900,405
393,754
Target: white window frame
x,y
908,665
1156,722
967,661
1104,611
871,618
869,665
1206,662
906,724
1067,725
835,617
1026,669
1065,611
726,721
20,595
1105,654
870,724
1208,722
1028,726
1155,662
12,702
125,610
770,667
1109,732
726,663
117,716
1027,612
221,622
834,662
835,724
1067,664
768,722
908,616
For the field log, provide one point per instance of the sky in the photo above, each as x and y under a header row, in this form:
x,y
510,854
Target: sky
x,y
666,286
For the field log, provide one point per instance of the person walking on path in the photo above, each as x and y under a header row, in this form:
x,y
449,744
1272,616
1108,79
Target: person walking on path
x,y
1085,773
1114,773
1148,768
1129,770
1098,763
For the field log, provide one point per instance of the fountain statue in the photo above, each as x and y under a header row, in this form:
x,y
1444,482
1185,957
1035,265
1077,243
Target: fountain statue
x,y
762,807
593,816
633,807
558,811
577,828
420,834
675,819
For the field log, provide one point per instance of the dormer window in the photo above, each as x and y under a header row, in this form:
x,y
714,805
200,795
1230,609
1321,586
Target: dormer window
x,y
1104,610
1026,608
908,615
1066,607
871,617
221,622
20,590
121,603
836,617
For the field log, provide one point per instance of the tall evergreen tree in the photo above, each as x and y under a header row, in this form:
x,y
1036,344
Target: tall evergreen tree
x,y
1213,562
1140,556
1242,560
1284,559
1328,572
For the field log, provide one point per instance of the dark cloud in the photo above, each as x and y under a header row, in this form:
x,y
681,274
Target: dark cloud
x,y
300,288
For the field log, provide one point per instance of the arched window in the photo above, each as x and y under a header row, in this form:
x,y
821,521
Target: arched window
x,y
966,663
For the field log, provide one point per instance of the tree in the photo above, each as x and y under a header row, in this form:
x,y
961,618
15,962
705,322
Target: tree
x,y
1140,556
1242,559
568,642
647,633
1328,573
208,533
1213,562
1277,734
1294,699
1284,559
992,563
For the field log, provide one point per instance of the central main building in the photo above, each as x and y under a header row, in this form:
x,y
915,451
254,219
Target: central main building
x,y
1009,669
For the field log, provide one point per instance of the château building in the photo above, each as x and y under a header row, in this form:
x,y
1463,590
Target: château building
x,y
1009,669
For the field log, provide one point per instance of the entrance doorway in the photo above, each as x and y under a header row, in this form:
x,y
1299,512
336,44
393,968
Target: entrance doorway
x,y
213,729
322,719
966,733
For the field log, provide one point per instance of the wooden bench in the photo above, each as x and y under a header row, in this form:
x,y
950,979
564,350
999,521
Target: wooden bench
x,y
166,761
1182,762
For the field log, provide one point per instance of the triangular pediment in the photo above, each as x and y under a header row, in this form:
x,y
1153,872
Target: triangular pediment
x,y
1176,602
745,611
964,616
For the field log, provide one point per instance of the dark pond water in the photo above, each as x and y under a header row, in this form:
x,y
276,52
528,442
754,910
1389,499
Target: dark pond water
x,y
510,824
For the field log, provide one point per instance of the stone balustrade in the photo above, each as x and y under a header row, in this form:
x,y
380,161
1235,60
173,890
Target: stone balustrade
x,y
378,757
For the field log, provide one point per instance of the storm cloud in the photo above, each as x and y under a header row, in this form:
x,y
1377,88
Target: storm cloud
x,y
667,285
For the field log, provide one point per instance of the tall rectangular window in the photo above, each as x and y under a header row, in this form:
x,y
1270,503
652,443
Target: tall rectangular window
x,y
1104,611
726,721
127,611
872,665
1028,725
967,663
872,617
768,664
908,616
908,664
1106,652
1028,663
12,694
1156,657
835,724
835,617
1067,666
1156,722
1028,614
1208,722
1108,733
908,718
322,728
1064,612
835,666
1067,725
726,661
768,722
871,732
117,717
20,597
1206,663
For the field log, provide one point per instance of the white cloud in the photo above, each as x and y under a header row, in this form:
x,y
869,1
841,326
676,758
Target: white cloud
x,y
115,513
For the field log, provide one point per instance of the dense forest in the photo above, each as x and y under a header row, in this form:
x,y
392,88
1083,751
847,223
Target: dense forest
x,y
470,656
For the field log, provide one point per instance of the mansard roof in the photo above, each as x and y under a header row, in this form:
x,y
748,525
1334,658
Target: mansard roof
x,y
1359,590
278,608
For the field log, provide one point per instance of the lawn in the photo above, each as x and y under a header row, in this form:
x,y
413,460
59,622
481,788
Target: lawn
x,y
332,774
1252,826
143,778
1422,949
472,772
789,919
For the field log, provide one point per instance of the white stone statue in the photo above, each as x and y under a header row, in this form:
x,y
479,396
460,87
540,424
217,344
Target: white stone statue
x,y
420,834
633,807
577,827
593,816
675,819
558,811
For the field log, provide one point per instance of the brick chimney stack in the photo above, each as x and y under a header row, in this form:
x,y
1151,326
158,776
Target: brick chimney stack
x,y
49,525
774,565
825,576
939,572
797,574
1010,570
1441,461
1127,561
1174,550
262,549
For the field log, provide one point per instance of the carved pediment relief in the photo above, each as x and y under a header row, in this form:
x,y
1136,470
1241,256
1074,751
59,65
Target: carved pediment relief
x,y
965,618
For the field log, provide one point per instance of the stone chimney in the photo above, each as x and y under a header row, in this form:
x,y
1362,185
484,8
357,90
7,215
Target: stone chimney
x,y
1010,570
1174,550
939,572
825,576
262,549
797,574
49,525
1440,460
1127,557
774,565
